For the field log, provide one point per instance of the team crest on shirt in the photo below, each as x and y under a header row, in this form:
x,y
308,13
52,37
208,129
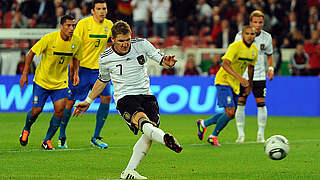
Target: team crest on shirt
x,y
141,59
126,116
252,53
229,100
106,29
262,46
35,100
73,46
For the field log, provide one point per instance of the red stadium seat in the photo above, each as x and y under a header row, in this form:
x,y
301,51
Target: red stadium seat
x,y
8,43
24,44
189,42
156,41
171,41
8,19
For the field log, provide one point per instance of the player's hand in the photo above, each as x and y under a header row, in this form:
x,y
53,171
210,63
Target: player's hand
x,y
169,61
247,91
270,74
81,107
76,80
244,82
23,80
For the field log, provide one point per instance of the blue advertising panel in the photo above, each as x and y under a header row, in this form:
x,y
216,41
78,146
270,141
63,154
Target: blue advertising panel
x,y
286,96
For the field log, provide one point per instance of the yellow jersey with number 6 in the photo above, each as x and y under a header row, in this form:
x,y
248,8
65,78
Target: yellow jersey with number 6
x,y
94,37
240,56
52,71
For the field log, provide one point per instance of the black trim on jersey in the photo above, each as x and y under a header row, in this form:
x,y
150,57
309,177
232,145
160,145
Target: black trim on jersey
x,y
103,80
268,54
137,40
106,53
161,61
119,53
245,59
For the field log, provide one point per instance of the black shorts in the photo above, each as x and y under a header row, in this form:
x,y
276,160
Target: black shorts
x,y
131,104
258,88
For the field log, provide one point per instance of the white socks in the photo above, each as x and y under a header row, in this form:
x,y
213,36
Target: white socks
x,y
143,145
153,133
262,120
240,120
140,150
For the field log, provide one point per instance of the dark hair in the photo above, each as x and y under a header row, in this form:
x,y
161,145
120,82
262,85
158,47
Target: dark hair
x,y
120,27
65,17
94,2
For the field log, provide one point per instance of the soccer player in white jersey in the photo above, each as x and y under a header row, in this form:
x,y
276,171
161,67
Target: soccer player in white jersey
x,y
263,41
124,63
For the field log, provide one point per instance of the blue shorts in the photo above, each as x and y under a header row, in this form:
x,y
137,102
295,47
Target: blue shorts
x,y
87,79
40,95
226,96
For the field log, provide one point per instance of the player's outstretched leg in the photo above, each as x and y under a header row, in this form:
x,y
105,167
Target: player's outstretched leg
x,y
240,121
156,134
101,117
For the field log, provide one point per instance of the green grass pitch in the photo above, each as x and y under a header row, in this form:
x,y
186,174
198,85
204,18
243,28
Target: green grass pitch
x,y
198,160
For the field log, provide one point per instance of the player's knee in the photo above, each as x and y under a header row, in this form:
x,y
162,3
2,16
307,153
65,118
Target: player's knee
x,y
58,114
241,103
139,118
105,99
261,104
230,113
35,111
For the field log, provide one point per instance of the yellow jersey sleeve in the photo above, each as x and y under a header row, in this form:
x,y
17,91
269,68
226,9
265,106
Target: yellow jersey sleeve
x,y
231,52
41,45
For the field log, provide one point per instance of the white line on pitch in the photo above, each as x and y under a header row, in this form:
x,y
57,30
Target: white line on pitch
x,y
120,147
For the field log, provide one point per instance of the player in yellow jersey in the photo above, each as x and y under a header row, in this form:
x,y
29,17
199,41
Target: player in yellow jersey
x,y
94,32
239,56
51,77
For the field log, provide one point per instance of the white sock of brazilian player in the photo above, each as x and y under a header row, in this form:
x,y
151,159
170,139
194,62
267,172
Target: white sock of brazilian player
x,y
139,151
153,133
262,120
240,120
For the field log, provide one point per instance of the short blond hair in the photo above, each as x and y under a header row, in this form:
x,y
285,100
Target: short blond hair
x,y
256,13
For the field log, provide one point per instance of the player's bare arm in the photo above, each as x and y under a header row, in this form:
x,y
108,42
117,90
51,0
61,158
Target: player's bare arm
x,y
75,68
250,75
24,77
227,66
270,73
168,61
83,106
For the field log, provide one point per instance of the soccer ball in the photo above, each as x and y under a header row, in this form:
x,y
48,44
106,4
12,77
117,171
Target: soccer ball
x,y
277,147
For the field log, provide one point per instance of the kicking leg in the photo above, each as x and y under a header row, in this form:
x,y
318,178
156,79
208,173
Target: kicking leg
x,y
155,134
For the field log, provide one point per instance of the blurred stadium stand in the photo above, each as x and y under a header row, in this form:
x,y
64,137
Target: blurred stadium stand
x,y
195,36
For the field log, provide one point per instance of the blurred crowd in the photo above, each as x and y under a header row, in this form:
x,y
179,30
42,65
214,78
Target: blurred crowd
x,y
189,23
